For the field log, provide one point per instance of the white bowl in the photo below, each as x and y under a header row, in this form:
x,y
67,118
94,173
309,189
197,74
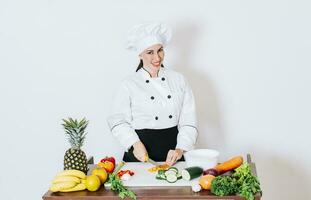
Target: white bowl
x,y
204,158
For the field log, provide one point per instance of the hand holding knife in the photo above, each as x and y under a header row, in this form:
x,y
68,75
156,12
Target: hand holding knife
x,y
149,160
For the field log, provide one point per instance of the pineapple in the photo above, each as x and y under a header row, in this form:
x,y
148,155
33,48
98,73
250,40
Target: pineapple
x,y
74,157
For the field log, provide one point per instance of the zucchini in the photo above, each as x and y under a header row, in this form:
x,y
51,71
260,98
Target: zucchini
x,y
161,171
171,178
171,175
169,172
179,176
160,177
191,173
174,169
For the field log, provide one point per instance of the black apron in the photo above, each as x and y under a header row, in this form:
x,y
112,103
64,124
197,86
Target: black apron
x,y
157,142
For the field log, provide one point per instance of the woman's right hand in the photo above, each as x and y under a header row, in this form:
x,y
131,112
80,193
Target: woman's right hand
x,y
140,151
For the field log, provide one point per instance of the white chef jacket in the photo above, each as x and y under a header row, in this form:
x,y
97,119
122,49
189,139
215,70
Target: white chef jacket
x,y
161,102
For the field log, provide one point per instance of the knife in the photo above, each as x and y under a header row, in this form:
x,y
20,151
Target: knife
x,y
149,160
152,162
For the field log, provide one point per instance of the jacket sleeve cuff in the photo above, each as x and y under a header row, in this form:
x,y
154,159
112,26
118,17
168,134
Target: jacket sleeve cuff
x,y
125,135
184,146
128,141
186,138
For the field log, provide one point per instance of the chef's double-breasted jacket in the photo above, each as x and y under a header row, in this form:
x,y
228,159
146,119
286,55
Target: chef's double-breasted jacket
x,y
142,102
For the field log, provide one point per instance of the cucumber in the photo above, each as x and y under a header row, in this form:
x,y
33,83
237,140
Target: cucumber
x,y
174,169
191,173
169,172
171,175
179,176
161,171
171,178
160,177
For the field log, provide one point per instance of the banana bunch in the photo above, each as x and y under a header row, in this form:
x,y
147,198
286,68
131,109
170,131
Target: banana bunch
x,y
69,181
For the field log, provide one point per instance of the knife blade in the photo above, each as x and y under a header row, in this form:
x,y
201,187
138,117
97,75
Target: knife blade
x,y
149,160
152,162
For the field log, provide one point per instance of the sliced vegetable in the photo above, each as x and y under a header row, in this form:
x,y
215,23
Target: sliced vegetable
x,y
170,172
174,169
179,176
123,172
171,178
158,167
161,171
229,165
125,177
191,173
171,175
161,177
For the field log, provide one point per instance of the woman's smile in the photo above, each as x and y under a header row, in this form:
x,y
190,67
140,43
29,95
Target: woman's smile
x,y
156,64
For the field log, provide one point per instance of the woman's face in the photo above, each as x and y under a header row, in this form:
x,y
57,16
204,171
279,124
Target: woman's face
x,y
153,56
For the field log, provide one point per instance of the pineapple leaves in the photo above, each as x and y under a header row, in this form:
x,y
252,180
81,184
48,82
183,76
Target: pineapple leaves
x,y
75,131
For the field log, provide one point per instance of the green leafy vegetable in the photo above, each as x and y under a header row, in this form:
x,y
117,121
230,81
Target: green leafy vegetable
x,y
117,185
241,182
224,185
248,183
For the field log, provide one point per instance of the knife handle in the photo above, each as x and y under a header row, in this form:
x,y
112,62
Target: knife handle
x,y
146,158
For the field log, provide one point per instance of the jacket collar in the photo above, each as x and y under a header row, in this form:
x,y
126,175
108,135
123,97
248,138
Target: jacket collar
x,y
144,72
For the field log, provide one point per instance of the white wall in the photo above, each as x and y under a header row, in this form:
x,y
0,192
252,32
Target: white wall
x,y
248,63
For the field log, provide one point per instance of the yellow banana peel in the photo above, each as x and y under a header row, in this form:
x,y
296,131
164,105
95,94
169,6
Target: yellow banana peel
x,y
72,172
62,186
59,179
79,187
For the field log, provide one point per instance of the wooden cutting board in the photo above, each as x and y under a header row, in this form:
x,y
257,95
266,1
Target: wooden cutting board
x,y
143,177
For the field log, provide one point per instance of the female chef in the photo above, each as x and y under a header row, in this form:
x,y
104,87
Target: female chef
x,y
153,112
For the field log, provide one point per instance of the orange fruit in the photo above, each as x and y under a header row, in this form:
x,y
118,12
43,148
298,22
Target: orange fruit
x,y
206,181
107,165
101,165
101,173
92,183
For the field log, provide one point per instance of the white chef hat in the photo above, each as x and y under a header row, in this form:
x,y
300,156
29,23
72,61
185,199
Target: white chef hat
x,y
142,36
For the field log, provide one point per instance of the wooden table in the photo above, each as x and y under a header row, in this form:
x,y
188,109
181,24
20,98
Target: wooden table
x,y
145,193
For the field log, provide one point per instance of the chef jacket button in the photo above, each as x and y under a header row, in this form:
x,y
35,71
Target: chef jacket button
x,y
156,118
152,97
147,81
163,79
170,116
169,96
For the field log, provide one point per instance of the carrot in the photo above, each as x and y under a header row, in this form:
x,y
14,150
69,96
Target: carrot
x,y
229,165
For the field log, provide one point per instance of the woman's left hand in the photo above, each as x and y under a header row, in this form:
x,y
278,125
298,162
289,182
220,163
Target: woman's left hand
x,y
173,156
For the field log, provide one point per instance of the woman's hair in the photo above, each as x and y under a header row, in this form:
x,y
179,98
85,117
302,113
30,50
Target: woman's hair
x,y
140,65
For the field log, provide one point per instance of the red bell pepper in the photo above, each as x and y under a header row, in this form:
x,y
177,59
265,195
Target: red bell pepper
x,y
122,172
111,159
